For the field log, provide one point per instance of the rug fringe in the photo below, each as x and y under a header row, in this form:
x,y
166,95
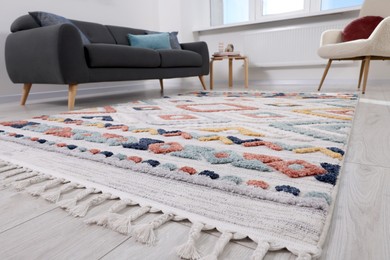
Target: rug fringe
x,y
21,185
54,196
3,164
261,250
38,191
189,250
223,240
145,234
103,219
12,173
81,210
20,177
71,203
304,256
8,168
122,224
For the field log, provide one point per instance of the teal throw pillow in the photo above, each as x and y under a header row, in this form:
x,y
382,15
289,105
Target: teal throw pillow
x,y
47,19
172,39
150,41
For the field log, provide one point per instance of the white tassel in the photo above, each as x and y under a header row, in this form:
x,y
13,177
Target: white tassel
x,y
8,168
261,250
81,210
219,246
22,177
119,205
71,203
103,219
12,173
3,164
20,185
188,250
37,191
304,256
145,233
55,195
122,224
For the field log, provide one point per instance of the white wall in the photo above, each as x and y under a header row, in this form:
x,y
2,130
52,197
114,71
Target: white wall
x,y
340,72
145,14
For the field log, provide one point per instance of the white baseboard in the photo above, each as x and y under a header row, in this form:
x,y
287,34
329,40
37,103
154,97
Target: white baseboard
x,y
82,91
151,85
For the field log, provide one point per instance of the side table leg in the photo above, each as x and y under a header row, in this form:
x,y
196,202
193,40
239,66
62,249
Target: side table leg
x,y
230,72
246,72
211,75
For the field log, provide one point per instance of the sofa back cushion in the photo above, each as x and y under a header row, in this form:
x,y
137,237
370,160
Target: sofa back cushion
x,y
96,33
120,33
49,19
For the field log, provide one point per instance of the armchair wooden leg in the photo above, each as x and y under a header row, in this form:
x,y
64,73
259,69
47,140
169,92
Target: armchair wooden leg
x,y
325,73
26,91
201,78
72,96
361,73
367,61
161,84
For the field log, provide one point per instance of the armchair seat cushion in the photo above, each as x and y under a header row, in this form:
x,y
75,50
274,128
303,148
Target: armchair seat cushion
x,y
180,58
345,50
121,56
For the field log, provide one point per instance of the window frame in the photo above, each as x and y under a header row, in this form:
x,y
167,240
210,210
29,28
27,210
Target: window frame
x,y
260,10
312,8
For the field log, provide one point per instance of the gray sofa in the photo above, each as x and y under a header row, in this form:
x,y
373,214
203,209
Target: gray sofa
x,y
56,55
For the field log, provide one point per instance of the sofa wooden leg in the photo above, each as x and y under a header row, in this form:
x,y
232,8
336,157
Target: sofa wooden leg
x,y
26,91
201,78
325,73
367,61
162,84
72,96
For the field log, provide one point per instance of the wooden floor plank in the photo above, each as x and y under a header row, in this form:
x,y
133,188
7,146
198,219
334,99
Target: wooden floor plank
x,y
360,228
55,235
370,140
19,207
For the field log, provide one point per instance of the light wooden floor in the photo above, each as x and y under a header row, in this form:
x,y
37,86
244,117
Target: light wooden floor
x,y
34,229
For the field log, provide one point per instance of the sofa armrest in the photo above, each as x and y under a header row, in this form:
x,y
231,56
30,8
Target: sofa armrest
x,y
203,50
51,54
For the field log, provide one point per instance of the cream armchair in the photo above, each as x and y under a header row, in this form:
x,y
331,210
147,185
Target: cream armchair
x,y
376,47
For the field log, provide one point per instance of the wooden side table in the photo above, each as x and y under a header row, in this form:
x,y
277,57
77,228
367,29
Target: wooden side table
x,y
230,58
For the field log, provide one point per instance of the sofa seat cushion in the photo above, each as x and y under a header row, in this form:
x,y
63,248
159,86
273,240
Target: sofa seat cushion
x,y
179,58
120,56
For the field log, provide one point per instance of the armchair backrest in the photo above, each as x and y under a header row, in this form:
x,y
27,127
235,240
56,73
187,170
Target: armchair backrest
x,y
376,8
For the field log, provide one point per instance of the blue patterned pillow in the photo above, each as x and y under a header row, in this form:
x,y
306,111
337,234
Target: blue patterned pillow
x,y
172,39
151,41
47,19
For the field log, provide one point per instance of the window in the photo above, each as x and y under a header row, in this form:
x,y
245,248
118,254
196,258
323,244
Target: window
x,y
229,11
334,4
282,6
235,11
240,11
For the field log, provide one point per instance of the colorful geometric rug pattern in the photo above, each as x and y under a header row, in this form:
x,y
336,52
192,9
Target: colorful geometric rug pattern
x,y
251,164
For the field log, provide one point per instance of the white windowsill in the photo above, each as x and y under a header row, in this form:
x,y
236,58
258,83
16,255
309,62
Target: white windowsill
x,y
273,18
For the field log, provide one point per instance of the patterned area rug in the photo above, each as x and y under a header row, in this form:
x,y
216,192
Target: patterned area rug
x,y
250,164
